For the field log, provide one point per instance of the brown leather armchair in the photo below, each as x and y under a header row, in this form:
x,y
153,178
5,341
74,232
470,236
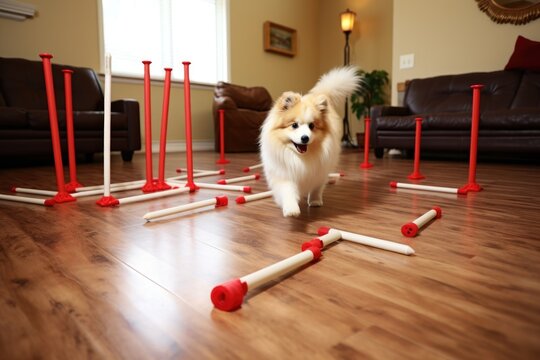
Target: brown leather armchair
x,y
245,109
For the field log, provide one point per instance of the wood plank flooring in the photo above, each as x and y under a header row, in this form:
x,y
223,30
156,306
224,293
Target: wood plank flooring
x,y
78,281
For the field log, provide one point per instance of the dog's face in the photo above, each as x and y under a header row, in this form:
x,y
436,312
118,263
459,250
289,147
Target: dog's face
x,y
301,121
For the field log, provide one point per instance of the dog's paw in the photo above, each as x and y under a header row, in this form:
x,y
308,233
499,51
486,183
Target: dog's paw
x,y
291,210
315,203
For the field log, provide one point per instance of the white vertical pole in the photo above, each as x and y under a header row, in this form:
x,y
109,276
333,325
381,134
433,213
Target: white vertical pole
x,y
107,129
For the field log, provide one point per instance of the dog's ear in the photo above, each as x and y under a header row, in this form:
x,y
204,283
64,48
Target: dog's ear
x,y
288,100
322,103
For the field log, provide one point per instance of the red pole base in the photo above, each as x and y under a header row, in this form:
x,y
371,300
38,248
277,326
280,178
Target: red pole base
x,y
62,197
192,187
416,176
149,187
72,186
108,201
470,187
162,185
366,165
222,161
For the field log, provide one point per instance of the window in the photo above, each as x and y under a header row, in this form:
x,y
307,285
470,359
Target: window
x,y
167,32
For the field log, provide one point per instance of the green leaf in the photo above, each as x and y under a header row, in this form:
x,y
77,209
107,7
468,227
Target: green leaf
x,y
370,92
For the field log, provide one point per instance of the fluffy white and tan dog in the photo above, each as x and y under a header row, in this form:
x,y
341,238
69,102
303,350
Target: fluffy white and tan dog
x,y
300,140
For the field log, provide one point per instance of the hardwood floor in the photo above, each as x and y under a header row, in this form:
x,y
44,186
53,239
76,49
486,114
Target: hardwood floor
x,y
80,281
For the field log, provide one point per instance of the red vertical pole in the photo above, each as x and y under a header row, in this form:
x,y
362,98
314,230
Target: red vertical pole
x,y
418,136
62,195
367,125
472,185
187,108
73,183
161,184
222,159
149,186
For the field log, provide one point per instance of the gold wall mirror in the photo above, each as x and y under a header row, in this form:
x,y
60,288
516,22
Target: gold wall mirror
x,y
516,12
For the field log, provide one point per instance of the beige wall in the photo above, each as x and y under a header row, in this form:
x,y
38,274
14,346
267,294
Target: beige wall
x,y
251,65
370,41
451,37
70,31
445,36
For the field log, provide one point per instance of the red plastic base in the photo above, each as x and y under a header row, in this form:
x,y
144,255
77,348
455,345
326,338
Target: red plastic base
x,y
469,187
223,161
72,186
416,176
192,187
323,230
150,186
108,201
241,200
161,185
316,242
409,229
62,197
49,202
229,296
365,165
222,201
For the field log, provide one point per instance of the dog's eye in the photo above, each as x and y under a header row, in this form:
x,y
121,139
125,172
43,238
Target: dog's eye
x,y
295,125
311,126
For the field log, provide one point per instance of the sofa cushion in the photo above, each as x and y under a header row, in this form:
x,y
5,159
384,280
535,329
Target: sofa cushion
x,y
516,119
438,121
528,94
13,118
526,55
452,93
88,120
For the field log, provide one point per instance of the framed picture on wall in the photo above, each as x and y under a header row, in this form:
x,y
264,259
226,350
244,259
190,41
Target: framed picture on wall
x,y
279,39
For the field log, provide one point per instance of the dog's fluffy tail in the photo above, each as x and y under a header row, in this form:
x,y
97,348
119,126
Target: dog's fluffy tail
x,y
337,84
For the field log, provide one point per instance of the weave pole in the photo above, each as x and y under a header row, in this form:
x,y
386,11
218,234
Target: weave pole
x,y
107,199
472,185
410,229
161,184
73,184
189,146
218,201
62,195
229,296
367,124
416,175
222,159
370,241
149,185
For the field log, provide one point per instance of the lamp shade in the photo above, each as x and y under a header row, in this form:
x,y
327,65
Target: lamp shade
x,y
347,20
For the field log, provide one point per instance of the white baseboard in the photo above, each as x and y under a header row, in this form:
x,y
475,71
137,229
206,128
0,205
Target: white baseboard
x,y
180,146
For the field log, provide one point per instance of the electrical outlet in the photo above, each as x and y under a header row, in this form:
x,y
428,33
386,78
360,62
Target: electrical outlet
x,y
406,61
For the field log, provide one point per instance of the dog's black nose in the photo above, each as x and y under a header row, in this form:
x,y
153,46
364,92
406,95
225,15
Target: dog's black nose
x,y
304,139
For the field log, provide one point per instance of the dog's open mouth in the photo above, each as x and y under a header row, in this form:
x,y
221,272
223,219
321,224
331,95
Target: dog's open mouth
x,y
301,148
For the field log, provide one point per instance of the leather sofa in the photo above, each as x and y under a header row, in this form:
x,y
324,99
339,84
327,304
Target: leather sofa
x,y
509,115
245,109
24,116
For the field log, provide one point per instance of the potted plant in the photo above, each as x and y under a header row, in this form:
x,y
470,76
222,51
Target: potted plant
x,y
370,92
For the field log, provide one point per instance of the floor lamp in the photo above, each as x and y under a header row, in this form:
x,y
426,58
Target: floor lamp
x,y
347,24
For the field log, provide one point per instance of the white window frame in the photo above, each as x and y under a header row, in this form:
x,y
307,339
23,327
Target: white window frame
x,y
158,74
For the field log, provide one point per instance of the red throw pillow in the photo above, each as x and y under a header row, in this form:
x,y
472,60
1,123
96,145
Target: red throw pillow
x,y
526,55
